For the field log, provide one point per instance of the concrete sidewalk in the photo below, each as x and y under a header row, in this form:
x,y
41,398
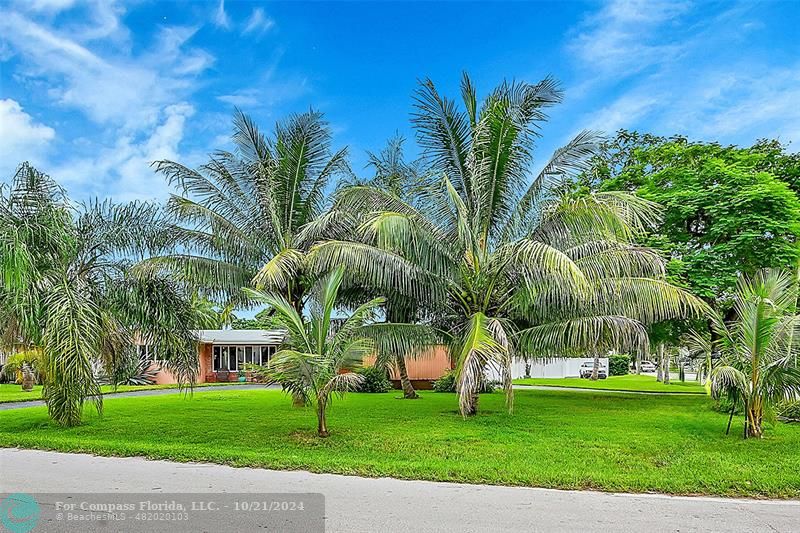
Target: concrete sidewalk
x,y
377,505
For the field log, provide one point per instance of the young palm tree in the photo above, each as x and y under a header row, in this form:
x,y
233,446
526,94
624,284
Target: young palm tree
x,y
67,289
317,360
508,264
241,214
758,350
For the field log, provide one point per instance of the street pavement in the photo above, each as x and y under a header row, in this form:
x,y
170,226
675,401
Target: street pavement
x,y
355,504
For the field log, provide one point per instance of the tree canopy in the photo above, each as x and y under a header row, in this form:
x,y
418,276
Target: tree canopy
x,y
727,210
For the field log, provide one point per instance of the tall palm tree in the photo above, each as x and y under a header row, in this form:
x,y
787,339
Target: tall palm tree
x,y
241,215
317,359
758,350
503,260
68,289
404,180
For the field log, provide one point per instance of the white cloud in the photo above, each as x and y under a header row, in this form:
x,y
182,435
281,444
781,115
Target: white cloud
x,y
122,170
258,23
242,98
48,5
740,103
621,38
699,79
115,89
221,18
21,138
621,113
135,100
270,89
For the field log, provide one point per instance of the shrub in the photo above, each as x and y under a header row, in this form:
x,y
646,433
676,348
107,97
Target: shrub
x,y
789,411
26,360
447,383
375,380
619,364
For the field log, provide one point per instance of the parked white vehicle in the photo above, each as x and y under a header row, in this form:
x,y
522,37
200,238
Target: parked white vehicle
x,y
648,366
588,367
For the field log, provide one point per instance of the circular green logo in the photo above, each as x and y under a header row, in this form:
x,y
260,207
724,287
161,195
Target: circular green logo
x,y
19,512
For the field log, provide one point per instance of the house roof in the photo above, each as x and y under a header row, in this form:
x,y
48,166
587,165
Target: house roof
x,y
242,336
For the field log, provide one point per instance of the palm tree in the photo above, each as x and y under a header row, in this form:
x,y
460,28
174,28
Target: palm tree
x,y
67,288
317,361
241,215
757,368
403,180
509,264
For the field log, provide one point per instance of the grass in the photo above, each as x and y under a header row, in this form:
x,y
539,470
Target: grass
x,y
631,382
592,440
12,392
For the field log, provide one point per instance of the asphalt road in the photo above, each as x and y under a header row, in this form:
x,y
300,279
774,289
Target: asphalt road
x,y
373,505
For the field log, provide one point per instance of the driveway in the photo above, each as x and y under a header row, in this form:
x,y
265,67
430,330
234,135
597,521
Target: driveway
x,y
360,504
151,392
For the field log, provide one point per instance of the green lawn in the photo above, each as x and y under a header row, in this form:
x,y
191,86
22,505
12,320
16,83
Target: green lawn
x,y
616,442
11,392
631,382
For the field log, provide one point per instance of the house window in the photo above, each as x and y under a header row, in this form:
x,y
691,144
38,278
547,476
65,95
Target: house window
x,y
266,354
234,357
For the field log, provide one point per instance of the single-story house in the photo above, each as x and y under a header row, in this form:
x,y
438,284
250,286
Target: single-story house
x,y
224,352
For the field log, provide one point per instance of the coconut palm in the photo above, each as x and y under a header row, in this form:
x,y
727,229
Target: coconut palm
x,y
507,262
317,360
404,180
241,214
67,289
757,367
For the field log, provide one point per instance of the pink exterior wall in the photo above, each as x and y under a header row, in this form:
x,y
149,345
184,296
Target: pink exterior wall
x,y
428,366
165,377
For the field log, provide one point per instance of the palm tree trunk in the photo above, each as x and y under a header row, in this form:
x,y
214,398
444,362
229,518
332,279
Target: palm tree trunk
x,y
596,367
322,424
472,408
408,389
730,419
660,366
755,416
666,367
298,400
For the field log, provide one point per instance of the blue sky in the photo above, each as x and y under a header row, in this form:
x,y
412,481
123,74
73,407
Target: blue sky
x,y
93,92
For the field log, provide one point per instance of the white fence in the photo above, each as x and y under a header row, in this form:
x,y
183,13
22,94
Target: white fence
x,y
558,367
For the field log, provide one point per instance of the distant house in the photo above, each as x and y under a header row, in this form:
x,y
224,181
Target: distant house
x,y
224,352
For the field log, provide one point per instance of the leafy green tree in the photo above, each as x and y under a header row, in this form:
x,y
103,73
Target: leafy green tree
x,y
68,289
264,319
496,257
759,348
242,215
727,210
